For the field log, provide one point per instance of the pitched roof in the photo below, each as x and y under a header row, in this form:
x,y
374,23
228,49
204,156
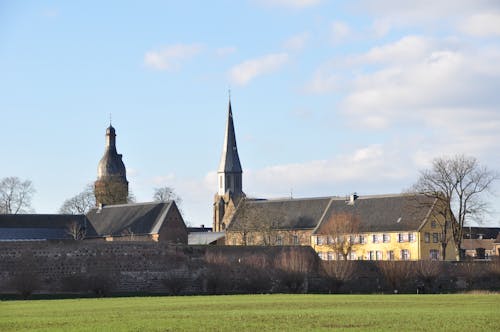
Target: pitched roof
x,y
230,161
484,232
139,218
15,227
201,238
379,213
302,213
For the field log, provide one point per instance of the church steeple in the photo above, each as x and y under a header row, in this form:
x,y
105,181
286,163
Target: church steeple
x,y
229,178
111,186
229,172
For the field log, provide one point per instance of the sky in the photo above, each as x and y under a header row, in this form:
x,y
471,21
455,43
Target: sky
x,y
328,97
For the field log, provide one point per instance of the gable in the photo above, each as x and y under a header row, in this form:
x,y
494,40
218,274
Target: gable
x,y
142,218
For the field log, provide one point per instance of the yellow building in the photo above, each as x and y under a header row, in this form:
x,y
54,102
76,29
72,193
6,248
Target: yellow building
x,y
386,227
378,227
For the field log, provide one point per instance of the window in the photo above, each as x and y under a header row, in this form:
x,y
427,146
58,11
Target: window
x,y
378,255
435,237
374,238
371,255
434,254
362,239
279,240
319,240
329,240
330,256
295,240
427,237
411,237
352,239
352,255
405,254
433,224
250,239
386,238
322,255
390,255
401,237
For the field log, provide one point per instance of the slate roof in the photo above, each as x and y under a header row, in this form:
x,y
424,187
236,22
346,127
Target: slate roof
x,y
29,227
485,232
230,161
139,218
379,213
303,213
376,213
111,164
202,238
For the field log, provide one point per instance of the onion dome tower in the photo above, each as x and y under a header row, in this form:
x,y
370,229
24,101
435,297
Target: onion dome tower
x,y
229,178
111,186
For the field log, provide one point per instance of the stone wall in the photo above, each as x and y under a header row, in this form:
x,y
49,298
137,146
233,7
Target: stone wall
x,y
64,266
155,267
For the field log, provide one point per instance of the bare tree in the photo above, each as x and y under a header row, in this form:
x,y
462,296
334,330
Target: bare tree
x,y
340,230
164,194
457,183
75,230
15,195
80,203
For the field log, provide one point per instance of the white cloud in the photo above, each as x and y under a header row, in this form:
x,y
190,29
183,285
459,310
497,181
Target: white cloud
x,y
408,48
322,82
296,42
296,4
339,31
225,51
170,58
244,72
482,25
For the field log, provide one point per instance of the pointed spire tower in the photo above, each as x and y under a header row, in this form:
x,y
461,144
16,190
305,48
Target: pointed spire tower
x,y
229,178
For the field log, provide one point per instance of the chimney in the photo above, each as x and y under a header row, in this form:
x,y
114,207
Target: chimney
x,y
352,198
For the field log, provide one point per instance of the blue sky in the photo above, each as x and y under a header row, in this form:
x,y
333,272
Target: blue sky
x,y
329,97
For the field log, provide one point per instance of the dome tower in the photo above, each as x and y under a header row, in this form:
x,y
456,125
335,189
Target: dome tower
x,y
111,186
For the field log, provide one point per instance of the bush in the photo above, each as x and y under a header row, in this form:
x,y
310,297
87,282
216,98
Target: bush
x,y
396,274
336,273
427,273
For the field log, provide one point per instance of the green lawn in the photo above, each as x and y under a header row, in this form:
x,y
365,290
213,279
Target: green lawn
x,y
257,313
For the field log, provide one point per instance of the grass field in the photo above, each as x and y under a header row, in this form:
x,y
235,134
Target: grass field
x,y
257,313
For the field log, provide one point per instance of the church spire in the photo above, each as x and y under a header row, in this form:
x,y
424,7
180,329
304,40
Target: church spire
x,y
230,161
229,178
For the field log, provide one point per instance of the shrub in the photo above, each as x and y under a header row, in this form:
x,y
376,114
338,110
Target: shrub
x,y
427,273
396,273
336,273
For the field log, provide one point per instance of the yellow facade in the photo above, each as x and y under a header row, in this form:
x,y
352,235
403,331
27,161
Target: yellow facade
x,y
422,244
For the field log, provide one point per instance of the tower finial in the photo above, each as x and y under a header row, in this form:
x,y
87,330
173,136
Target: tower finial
x,y
229,93
110,119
